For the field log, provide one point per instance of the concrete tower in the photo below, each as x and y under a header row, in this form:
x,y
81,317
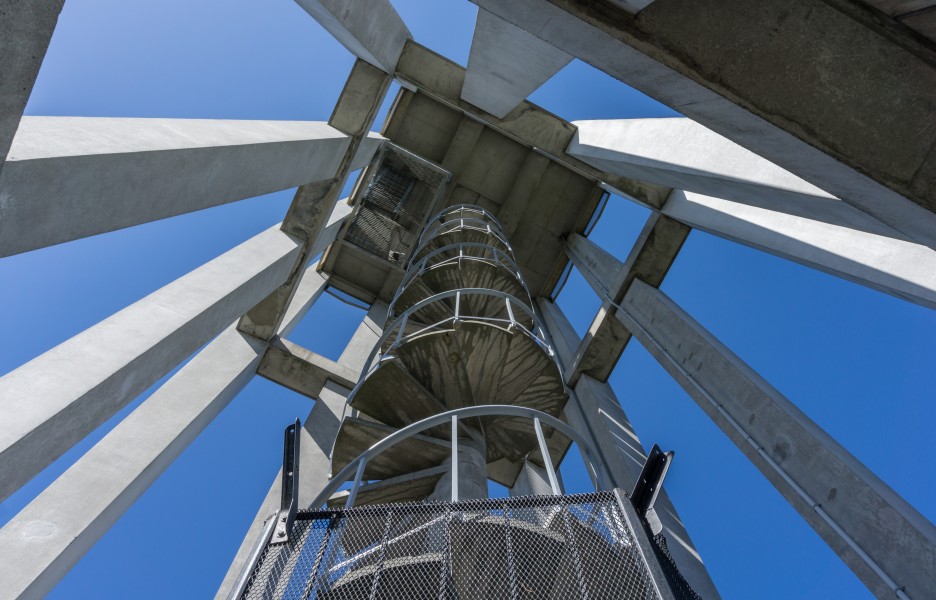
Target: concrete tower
x,y
472,206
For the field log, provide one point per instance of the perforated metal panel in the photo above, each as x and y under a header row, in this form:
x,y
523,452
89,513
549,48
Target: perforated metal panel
x,y
520,548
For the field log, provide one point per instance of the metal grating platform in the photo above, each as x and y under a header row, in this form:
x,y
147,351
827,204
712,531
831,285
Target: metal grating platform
x,y
543,547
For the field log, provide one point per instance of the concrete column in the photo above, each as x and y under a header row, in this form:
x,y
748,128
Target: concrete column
x,y
71,177
506,65
40,544
472,472
532,481
848,244
318,436
371,29
594,410
883,539
25,32
828,116
56,399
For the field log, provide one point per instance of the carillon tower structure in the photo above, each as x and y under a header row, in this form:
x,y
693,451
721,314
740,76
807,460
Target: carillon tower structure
x,y
471,208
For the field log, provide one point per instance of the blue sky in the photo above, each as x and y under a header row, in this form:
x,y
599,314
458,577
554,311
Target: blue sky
x,y
860,363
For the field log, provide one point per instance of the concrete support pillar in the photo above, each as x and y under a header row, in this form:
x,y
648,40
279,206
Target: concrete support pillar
x,y
25,32
54,400
883,539
40,544
318,436
472,472
371,29
506,65
594,410
71,177
827,117
532,481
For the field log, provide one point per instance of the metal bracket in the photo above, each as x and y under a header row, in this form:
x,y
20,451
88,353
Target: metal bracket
x,y
650,482
289,492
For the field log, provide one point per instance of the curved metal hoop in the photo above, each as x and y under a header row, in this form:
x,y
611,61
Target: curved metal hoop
x,y
356,467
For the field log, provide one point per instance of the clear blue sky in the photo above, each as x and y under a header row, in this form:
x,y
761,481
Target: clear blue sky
x,y
858,362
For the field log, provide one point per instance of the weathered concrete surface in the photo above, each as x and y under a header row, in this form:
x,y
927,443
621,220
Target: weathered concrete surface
x,y
812,471
594,410
650,259
856,247
26,27
848,106
71,177
532,481
507,64
41,543
684,155
56,399
318,436
306,217
302,370
472,473
371,29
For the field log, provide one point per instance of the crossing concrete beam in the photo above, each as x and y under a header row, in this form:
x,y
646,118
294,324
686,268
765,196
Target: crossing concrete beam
x,y
302,370
55,400
884,540
71,177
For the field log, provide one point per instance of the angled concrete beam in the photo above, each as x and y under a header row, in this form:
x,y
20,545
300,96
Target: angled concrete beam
x,y
650,259
681,154
507,64
302,370
41,543
827,116
884,540
319,431
594,410
371,29
55,400
306,217
71,177
528,124
848,244
25,32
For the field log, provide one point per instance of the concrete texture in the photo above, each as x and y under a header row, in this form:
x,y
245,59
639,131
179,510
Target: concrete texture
x,y
71,177
506,65
371,29
843,109
41,543
849,507
595,411
318,435
53,401
25,31
858,249
649,260
302,370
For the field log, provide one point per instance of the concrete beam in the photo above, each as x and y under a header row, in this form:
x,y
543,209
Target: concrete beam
x,y
828,113
528,124
507,64
888,544
71,177
594,410
371,29
302,370
319,431
55,400
846,243
41,543
649,260
306,217
25,32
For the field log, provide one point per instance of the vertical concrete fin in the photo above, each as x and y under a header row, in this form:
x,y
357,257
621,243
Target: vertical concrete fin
x,y
371,29
67,178
42,542
506,65
55,400
883,539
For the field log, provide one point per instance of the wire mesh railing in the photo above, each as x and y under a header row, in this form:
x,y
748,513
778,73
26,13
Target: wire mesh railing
x,y
542,547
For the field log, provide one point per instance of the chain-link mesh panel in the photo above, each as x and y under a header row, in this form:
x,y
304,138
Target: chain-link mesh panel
x,y
534,547
395,203
681,588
